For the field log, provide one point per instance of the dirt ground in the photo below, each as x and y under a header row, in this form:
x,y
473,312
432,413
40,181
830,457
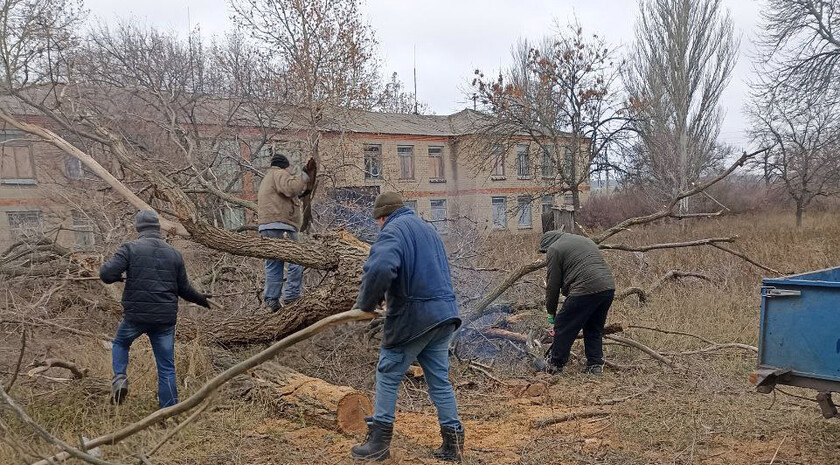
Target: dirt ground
x,y
702,411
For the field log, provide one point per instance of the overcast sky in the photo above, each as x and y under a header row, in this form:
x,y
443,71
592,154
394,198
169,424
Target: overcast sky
x,y
454,37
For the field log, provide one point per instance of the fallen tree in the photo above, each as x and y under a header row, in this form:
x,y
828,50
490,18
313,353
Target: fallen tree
x,y
206,390
316,401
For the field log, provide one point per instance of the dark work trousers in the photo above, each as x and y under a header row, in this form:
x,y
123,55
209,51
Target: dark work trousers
x,y
587,312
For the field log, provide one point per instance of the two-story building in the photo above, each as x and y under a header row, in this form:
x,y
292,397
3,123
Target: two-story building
x,y
433,160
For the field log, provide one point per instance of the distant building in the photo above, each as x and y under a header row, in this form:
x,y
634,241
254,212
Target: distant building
x,y
430,159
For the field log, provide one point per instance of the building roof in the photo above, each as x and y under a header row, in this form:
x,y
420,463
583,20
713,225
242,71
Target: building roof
x,y
371,122
230,113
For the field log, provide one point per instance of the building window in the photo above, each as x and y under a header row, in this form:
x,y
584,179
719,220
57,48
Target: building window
x,y
498,155
499,212
523,169
524,212
229,175
25,224
547,203
549,167
412,204
436,164
261,160
406,156
83,230
17,166
438,215
73,168
373,161
547,211
568,198
568,160
233,217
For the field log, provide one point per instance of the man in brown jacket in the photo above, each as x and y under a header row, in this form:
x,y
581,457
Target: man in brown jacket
x,y
279,211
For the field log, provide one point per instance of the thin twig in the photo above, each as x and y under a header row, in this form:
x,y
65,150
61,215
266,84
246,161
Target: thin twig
x,y
19,360
45,365
777,450
69,450
579,415
485,373
625,398
638,345
747,259
180,426
669,331
211,386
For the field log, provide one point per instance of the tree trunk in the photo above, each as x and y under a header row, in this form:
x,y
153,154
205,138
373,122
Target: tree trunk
x,y
800,210
339,408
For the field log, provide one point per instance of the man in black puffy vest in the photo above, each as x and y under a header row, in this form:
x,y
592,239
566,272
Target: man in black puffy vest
x,y
154,279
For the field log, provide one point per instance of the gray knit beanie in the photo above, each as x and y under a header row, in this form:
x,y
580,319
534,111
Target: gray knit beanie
x,y
387,203
146,220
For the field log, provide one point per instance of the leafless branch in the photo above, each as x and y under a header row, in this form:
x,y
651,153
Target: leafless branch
x,y
16,372
69,451
213,385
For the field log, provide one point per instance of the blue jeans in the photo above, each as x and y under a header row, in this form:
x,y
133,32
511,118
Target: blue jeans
x,y
163,346
274,272
431,350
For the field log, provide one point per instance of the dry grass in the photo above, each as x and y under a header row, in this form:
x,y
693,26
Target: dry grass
x,y
703,413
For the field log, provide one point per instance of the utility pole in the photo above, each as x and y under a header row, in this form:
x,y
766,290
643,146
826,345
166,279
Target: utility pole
x,y
415,80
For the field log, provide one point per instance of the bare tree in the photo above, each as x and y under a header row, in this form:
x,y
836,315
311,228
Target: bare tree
x,y
682,60
802,41
802,125
561,97
326,52
396,99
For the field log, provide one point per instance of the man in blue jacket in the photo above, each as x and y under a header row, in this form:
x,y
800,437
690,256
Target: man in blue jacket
x,y
155,278
408,269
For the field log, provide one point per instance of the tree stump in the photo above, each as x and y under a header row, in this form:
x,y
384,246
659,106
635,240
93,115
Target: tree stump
x,y
340,408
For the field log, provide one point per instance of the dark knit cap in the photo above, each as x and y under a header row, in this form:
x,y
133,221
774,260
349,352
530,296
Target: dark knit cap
x,y
146,220
387,203
279,161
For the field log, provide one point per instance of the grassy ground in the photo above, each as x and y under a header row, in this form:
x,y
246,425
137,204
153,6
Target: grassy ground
x,y
703,412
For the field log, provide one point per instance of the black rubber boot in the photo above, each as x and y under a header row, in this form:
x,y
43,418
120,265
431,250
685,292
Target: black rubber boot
x,y
452,448
377,445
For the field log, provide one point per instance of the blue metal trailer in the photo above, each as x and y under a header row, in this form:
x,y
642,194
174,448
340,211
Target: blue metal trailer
x,y
799,336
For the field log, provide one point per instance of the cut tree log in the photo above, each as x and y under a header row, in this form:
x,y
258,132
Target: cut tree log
x,y
339,408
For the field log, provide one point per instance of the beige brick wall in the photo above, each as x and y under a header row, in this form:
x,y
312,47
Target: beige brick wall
x,y
469,186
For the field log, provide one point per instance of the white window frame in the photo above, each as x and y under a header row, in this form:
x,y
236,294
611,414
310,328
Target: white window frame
x,y
401,151
523,165
498,154
436,159
372,163
523,205
438,222
12,140
73,168
19,230
83,230
499,213
548,170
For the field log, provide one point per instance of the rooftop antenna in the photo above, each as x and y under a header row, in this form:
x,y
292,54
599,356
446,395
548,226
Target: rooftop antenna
x,y
415,80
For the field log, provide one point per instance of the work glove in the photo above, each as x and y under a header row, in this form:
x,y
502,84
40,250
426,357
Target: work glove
x,y
202,300
551,325
551,320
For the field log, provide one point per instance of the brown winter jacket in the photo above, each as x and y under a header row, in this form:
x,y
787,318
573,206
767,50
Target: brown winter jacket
x,y
277,199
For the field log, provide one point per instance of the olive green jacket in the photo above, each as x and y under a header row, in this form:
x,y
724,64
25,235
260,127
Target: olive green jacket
x,y
575,267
